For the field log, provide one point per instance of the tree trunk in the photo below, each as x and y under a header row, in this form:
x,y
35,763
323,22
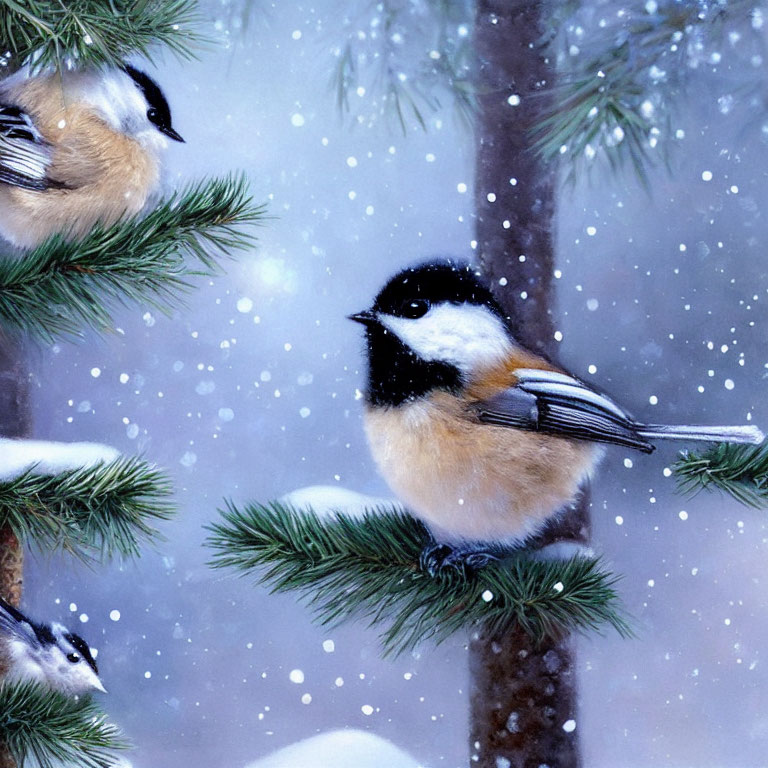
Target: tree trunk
x,y
523,701
15,421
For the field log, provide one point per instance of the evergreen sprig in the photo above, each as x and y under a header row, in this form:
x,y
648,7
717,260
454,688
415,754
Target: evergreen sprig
x,y
741,471
622,73
96,32
63,286
94,513
370,567
406,57
51,730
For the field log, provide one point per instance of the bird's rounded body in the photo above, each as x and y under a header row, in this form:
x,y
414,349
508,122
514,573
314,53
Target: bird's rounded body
x,y
101,167
469,481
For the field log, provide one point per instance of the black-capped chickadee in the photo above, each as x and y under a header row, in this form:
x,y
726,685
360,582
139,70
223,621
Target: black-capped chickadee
x,y
46,653
481,438
78,147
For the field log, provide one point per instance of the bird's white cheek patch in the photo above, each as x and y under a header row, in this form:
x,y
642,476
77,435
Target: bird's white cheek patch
x,y
465,335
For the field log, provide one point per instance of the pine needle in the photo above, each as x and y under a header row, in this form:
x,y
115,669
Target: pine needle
x,y
414,62
621,77
94,513
97,32
741,471
345,567
62,287
52,730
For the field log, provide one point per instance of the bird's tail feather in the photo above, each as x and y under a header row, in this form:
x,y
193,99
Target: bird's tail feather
x,y
744,434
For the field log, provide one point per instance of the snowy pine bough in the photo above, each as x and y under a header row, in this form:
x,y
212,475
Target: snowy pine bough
x,y
84,498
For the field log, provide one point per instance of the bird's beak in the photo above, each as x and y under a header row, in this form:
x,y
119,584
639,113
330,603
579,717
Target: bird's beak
x,y
99,686
171,134
366,317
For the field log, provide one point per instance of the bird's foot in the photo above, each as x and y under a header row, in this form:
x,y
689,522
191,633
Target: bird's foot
x,y
436,557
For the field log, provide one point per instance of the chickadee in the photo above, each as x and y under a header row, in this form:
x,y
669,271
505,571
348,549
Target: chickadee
x,y
481,438
46,653
76,148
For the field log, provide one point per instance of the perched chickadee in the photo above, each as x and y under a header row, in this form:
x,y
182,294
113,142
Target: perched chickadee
x,y
46,653
76,148
481,438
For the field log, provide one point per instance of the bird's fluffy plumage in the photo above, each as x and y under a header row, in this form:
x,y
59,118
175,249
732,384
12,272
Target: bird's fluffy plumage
x,y
48,654
76,148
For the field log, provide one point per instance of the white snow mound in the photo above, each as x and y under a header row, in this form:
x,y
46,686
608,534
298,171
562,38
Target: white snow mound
x,y
326,500
49,458
339,749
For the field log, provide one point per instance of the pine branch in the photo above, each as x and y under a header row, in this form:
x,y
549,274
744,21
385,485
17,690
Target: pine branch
x,y
96,32
408,57
61,287
618,102
738,470
370,567
52,730
94,513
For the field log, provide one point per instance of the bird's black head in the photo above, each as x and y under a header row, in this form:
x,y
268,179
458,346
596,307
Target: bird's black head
x,y
403,364
158,112
413,291
81,650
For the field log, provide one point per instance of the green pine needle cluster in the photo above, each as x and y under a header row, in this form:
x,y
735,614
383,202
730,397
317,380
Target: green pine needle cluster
x,y
95,513
51,730
409,60
621,75
369,567
62,287
96,32
741,471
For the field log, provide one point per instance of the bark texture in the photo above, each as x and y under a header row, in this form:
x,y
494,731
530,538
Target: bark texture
x,y
15,421
523,702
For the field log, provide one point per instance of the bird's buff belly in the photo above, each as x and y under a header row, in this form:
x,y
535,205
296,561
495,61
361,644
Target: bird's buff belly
x,y
471,482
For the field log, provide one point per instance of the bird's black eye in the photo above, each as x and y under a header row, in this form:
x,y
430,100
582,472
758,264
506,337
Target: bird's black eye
x,y
73,658
415,309
152,115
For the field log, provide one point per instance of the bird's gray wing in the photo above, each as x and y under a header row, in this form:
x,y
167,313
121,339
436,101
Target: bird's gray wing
x,y
558,404
25,156
14,624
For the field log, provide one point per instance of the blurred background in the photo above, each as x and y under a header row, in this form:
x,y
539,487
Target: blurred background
x,y
254,390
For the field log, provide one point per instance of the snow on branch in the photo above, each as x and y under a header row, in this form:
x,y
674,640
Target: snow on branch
x,y
82,498
51,730
95,32
741,471
349,566
62,286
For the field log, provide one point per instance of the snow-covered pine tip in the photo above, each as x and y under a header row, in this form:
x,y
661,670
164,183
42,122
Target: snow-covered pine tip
x,y
85,498
329,500
45,457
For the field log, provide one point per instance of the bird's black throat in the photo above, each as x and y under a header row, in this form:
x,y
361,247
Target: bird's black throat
x,y
397,374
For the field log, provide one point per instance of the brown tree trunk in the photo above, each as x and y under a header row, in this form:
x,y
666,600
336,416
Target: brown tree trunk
x,y
523,701
15,421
